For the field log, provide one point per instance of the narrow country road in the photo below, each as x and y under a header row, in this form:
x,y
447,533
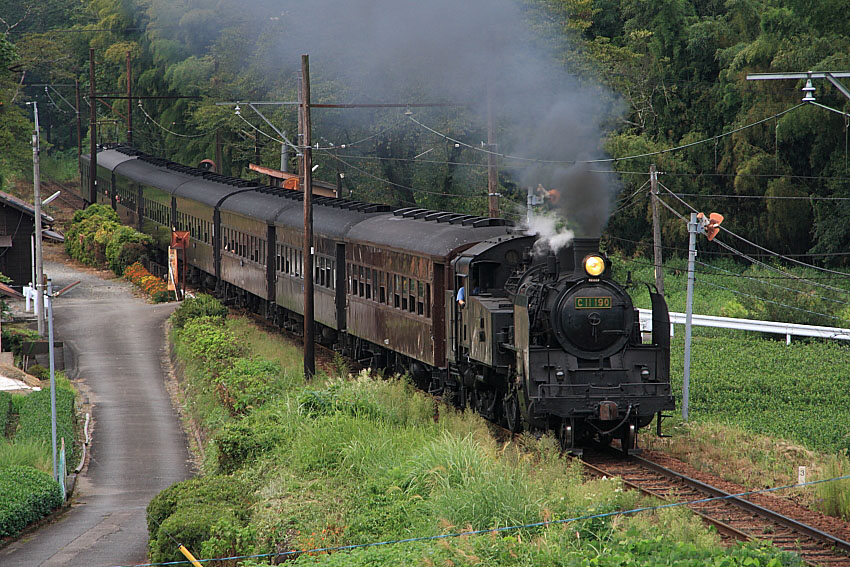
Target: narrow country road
x,y
138,447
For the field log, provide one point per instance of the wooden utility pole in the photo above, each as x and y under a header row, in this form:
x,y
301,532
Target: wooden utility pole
x,y
129,102
656,230
492,170
92,197
79,123
307,170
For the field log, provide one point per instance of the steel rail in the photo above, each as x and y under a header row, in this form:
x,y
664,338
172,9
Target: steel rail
x,y
785,521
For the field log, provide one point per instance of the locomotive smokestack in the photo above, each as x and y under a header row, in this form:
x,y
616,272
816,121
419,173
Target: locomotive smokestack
x,y
583,247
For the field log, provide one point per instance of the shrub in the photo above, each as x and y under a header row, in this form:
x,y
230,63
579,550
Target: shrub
x,y
39,372
14,338
202,305
102,211
247,384
211,343
28,495
125,247
190,510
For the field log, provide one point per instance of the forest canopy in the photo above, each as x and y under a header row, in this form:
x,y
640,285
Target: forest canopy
x,y
593,82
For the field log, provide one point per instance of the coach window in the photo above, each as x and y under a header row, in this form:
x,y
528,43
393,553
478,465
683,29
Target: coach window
x,y
383,293
404,294
428,300
420,304
368,285
411,291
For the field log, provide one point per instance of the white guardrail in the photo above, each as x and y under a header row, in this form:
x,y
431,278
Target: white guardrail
x,y
787,329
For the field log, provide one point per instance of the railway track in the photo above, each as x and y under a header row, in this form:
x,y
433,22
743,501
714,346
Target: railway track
x,y
734,517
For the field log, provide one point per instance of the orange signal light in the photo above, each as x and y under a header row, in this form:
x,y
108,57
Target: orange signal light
x,y
711,226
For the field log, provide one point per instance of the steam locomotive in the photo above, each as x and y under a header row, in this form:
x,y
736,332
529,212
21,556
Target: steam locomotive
x,y
538,341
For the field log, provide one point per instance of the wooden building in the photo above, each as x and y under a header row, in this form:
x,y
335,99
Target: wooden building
x,y
17,225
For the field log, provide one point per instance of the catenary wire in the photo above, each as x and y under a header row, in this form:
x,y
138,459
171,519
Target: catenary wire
x,y
605,160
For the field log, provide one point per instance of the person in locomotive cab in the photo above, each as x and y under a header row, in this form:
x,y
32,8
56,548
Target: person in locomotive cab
x,y
461,296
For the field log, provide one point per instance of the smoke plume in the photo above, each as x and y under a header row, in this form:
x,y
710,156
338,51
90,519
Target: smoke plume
x,y
451,50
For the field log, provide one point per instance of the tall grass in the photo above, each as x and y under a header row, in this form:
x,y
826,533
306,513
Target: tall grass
x,y
833,498
60,166
27,452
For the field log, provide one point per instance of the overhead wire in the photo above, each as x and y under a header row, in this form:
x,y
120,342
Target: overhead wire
x,y
763,249
149,117
604,160
411,189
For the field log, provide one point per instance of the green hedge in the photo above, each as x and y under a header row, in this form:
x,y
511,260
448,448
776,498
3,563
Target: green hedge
x,y
28,496
35,420
202,305
97,238
5,411
189,510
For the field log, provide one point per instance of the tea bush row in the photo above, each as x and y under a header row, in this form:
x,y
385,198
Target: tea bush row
x,y
28,496
96,237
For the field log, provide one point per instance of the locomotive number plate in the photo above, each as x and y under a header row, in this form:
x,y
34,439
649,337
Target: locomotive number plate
x,y
593,303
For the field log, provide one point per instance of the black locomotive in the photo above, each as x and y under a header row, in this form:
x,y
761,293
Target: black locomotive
x,y
538,342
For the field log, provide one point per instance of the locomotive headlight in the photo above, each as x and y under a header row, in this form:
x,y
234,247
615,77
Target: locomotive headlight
x,y
594,266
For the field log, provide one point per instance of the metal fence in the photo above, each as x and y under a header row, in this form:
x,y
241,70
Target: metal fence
x,y
787,329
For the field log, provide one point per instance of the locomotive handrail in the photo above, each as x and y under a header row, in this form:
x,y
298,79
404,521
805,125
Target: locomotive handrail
x,y
777,328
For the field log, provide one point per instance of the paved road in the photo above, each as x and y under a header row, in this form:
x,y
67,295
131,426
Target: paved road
x,y
138,447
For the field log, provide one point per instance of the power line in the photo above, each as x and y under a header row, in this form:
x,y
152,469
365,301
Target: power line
x,y
411,189
735,291
763,249
766,197
149,117
605,160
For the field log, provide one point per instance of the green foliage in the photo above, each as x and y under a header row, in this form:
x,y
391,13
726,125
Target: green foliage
x,y
35,420
194,511
202,305
126,246
32,453
28,495
90,233
39,372
15,337
795,392
211,343
5,411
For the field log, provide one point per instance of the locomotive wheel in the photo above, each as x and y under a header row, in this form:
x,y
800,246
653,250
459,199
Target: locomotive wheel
x,y
512,415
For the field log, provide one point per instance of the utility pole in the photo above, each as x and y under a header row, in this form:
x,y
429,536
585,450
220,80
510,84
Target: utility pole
x,y
693,228
656,230
307,170
39,261
92,197
129,102
492,170
79,124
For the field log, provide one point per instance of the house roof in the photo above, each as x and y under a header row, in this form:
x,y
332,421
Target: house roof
x,y
23,206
